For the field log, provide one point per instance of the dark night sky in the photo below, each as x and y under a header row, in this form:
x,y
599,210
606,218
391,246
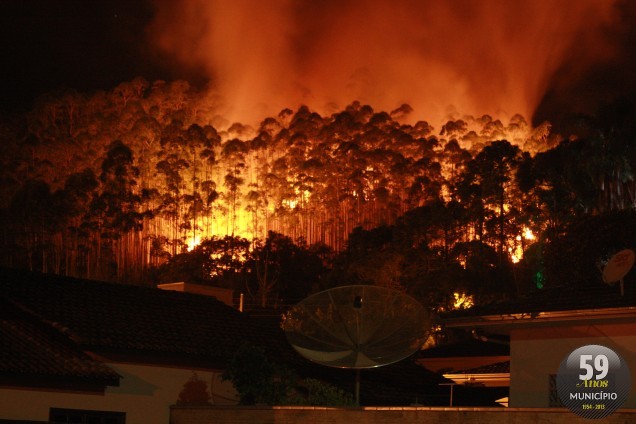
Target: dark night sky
x,y
94,44
571,90
80,44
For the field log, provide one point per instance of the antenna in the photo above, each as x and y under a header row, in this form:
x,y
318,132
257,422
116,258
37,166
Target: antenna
x,y
356,327
617,268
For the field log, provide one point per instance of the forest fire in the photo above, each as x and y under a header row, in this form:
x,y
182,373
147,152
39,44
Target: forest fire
x,y
443,58
516,247
193,241
300,173
171,179
396,140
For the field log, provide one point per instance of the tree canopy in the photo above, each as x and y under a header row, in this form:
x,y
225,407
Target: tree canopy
x,y
147,182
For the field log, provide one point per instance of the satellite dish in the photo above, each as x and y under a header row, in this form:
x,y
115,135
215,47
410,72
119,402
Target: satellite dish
x,y
356,327
618,266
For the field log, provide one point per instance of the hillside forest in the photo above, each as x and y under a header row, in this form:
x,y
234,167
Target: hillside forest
x,y
148,183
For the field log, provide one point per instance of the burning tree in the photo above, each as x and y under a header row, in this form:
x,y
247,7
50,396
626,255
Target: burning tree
x,y
137,176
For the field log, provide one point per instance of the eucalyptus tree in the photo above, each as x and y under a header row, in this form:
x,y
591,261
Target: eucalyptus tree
x,y
485,187
116,211
613,166
283,271
199,148
79,191
553,188
34,216
171,166
233,155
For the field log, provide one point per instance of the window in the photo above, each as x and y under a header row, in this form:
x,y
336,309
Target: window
x,y
555,400
84,416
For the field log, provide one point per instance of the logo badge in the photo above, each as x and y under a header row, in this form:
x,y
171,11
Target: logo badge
x,y
593,381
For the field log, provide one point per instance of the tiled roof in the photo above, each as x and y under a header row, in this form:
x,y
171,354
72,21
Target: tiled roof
x,y
592,294
29,349
146,322
465,348
496,368
114,318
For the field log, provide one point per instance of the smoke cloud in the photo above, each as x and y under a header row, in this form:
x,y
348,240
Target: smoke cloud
x,y
476,57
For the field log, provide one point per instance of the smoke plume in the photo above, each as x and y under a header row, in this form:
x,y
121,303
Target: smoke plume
x,y
442,57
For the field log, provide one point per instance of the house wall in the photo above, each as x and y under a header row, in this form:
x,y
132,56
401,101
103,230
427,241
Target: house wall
x,y
145,395
386,415
536,353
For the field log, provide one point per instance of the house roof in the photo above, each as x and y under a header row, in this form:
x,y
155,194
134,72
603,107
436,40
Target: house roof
x,y
149,324
123,319
502,367
467,348
485,376
42,354
591,299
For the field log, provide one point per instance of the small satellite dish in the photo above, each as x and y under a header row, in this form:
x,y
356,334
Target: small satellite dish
x,y
356,327
618,266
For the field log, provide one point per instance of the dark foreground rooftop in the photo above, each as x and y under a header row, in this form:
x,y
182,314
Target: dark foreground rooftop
x,y
59,321
588,295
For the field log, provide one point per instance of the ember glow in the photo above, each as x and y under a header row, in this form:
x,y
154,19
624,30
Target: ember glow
x,y
418,127
463,301
517,246
444,58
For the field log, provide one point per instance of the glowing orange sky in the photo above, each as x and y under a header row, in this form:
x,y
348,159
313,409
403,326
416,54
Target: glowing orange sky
x,y
472,56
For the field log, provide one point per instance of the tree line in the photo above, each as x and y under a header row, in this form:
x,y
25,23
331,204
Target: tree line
x,y
119,184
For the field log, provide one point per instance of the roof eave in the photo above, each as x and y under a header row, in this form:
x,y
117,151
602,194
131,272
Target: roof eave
x,y
523,318
486,378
